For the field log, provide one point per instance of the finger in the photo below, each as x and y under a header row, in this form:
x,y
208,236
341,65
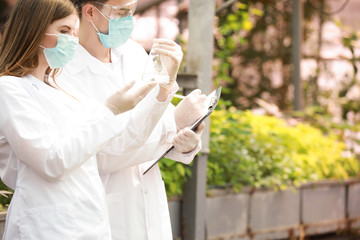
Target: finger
x,y
196,99
176,56
179,147
188,143
183,146
177,140
166,47
142,90
179,136
178,144
147,87
202,97
188,135
187,132
194,135
196,92
167,51
129,85
165,41
200,128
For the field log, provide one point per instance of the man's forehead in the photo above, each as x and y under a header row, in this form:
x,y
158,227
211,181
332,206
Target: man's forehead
x,y
118,2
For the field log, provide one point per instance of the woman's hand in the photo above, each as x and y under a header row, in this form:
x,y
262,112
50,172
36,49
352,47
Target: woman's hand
x,y
128,97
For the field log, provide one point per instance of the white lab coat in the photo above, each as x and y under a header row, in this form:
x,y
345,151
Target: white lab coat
x,y
137,203
48,142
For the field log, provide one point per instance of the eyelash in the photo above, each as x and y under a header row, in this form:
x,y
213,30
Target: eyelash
x,y
64,31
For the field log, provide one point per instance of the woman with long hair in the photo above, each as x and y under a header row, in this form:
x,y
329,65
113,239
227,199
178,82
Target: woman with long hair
x,y
49,138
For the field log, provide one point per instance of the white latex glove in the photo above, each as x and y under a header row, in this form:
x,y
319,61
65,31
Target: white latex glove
x,y
124,100
171,56
187,140
190,109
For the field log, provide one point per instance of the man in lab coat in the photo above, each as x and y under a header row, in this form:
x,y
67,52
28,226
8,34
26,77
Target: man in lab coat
x,y
106,60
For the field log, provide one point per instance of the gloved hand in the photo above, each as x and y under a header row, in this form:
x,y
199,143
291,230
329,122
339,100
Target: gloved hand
x,y
190,109
171,56
186,140
124,100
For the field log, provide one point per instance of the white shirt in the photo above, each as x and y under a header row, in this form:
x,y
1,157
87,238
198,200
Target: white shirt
x,y
137,203
48,142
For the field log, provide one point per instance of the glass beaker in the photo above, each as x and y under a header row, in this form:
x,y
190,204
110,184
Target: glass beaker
x,y
155,70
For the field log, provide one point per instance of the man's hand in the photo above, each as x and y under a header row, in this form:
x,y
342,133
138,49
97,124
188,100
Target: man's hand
x,y
190,109
171,56
187,140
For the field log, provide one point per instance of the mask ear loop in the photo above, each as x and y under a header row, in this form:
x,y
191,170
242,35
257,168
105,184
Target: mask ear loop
x,y
52,34
49,34
97,30
101,13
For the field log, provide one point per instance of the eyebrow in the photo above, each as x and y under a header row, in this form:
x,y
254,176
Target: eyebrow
x,y
65,26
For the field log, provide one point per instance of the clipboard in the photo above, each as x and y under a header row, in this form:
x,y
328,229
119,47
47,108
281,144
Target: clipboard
x,y
211,101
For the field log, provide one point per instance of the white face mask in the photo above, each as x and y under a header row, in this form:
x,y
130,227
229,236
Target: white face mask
x,y
120,30
64,51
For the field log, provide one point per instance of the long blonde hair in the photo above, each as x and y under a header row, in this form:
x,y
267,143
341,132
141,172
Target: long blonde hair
x,y
24,31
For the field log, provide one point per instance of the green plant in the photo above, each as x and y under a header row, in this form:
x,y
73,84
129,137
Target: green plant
x,y
233,22
263,151
5,196
174,175
240,157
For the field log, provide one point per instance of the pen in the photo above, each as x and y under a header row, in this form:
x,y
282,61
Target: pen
x,y
179,96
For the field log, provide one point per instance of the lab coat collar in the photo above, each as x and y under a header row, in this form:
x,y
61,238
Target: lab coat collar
x,y
83,59
36,83
55,93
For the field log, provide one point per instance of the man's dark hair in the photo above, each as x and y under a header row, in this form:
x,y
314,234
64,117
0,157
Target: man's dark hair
x,y
79,3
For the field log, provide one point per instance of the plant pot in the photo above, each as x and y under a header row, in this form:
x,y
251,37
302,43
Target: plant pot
x,y
2,222
226,214
175,216
353,206
323,207
274,214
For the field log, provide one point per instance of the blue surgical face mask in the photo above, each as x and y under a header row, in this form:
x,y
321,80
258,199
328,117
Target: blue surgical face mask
x,y
64,51
120,30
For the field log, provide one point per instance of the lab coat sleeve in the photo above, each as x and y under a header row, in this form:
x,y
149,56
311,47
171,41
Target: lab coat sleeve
x,y
159,141
145,116
185,158
142,121
36,140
